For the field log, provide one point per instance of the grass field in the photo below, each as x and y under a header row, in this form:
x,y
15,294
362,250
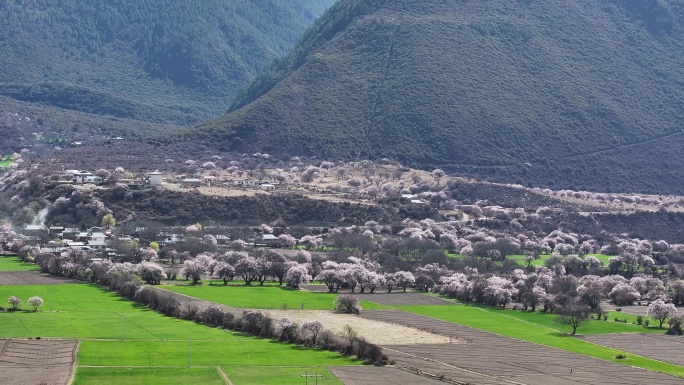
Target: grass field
x,y
15,264
537,330
263,297
147,376
520,258
278,375
100,319
544,257
6,161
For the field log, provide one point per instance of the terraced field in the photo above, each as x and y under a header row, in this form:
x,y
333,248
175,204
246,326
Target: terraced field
x,y
37,361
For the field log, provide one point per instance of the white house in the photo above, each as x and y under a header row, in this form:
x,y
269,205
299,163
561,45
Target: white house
x,y
155,178
80,177
92,179
267,187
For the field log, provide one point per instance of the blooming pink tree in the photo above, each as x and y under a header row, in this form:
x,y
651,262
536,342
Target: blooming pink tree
x,y
404,279
224,271
192,269
248,269
660,310
499,291
624,294
297,275
209,239
14,302
149,254
151,272
287,240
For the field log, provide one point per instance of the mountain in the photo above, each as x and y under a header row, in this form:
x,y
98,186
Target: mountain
x,y
562,93
167,62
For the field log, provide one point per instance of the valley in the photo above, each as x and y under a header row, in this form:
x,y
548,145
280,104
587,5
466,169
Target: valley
x,y
342,192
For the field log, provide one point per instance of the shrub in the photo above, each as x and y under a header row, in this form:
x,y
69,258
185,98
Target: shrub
x,y
348,304
640,320
212,316
675,324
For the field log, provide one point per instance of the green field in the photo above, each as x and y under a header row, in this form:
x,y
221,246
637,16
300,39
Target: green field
x,y
147,376
6,161
263,297
520,258
537,330
100,319
15,264
278,375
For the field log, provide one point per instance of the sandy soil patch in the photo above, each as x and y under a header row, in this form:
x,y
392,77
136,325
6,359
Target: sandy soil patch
x,y
377,332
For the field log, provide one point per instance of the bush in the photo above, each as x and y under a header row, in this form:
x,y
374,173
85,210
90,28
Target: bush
x,y
640,320
348,304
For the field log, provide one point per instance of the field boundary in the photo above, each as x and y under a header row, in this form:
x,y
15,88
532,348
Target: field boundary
x,y
224,376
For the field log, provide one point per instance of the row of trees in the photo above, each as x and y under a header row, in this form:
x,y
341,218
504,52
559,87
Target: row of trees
x,y
310,333
129,280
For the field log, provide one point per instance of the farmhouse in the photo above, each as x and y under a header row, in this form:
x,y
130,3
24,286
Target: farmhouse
x,y
34,229
155,178
269,239
92,179
244,182
80,177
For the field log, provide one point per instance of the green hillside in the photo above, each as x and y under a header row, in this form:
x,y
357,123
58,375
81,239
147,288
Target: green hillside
x,y
583,94
155,61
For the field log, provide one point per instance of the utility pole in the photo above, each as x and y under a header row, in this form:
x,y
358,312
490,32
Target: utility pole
x,y
306,376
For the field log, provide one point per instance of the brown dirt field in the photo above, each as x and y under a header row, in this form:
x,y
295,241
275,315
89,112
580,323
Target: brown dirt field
x,y
379,333
37,362
657,346
30,278
369,375
491,359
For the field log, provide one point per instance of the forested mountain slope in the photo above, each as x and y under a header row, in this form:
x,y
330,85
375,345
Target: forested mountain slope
x,y
564,93
156,61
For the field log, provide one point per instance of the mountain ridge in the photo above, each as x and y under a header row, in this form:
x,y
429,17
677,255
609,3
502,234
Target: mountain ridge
x,y
156,56
524,87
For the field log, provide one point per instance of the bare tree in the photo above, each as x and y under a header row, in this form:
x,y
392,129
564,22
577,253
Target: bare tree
x,y
350,334
573,315
313,328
